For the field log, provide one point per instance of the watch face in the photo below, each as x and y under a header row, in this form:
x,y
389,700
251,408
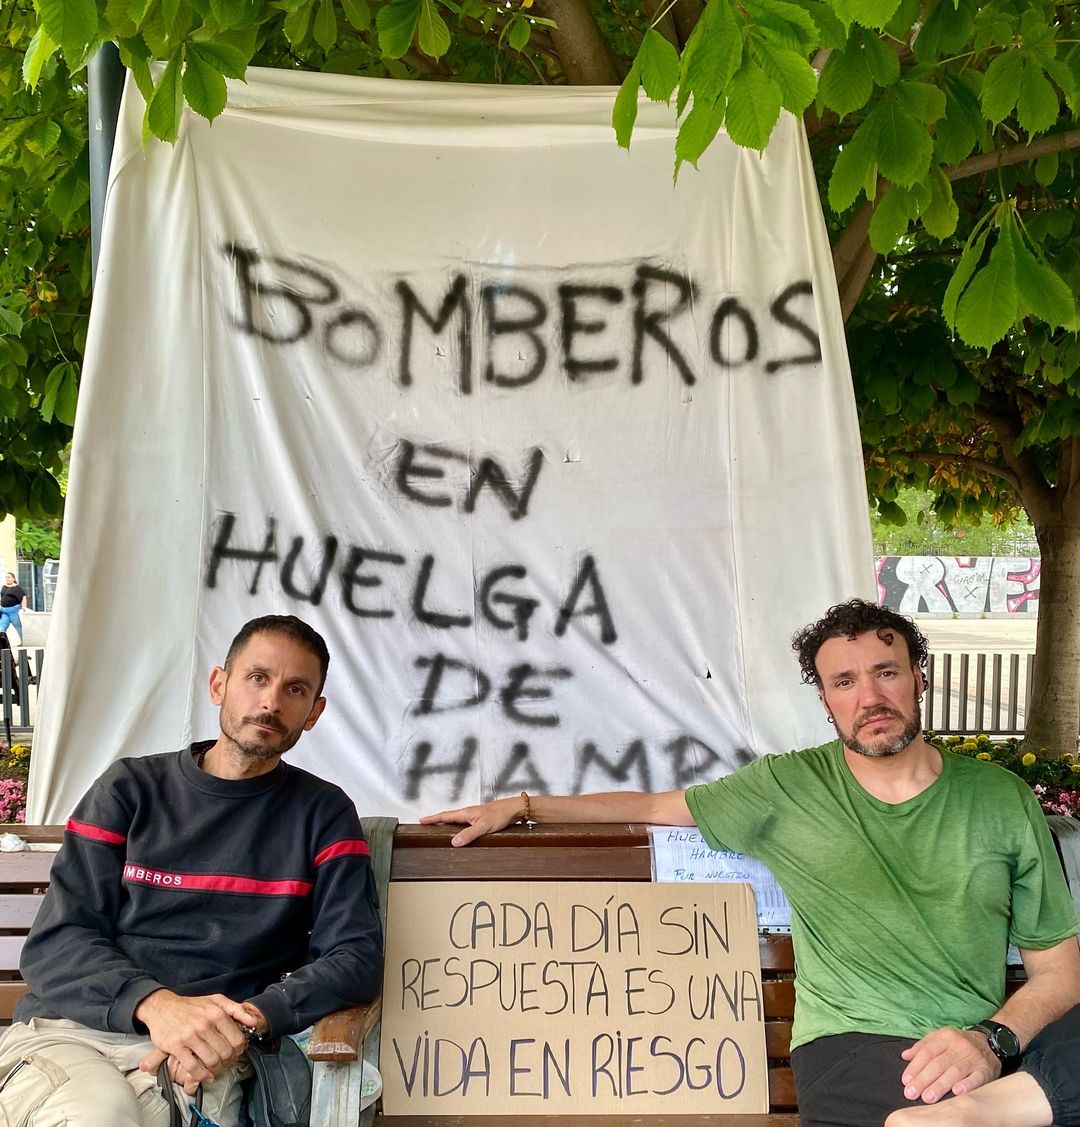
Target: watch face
x,y
1005,1041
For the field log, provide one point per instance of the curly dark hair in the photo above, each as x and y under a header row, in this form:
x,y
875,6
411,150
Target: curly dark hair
x,y
847,620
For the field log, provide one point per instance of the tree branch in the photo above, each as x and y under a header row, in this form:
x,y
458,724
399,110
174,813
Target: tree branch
x,y
943,458
1031,486
1015,154
581,48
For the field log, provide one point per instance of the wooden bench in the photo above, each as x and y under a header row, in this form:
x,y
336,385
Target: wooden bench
x,y
424,853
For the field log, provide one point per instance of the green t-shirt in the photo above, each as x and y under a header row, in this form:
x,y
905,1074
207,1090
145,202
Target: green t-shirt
x,y
901,914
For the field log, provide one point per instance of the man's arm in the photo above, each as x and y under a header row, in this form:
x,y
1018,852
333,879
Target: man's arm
x,y
346,936
665,809
958,1061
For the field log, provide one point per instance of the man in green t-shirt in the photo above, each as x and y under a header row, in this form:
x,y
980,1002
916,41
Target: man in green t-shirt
x,y
909,870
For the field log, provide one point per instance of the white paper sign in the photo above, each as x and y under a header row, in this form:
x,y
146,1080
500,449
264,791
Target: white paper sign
x,y
680,854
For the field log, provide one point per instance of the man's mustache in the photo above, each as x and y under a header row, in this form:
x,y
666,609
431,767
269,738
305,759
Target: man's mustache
x,y
877,714
266,720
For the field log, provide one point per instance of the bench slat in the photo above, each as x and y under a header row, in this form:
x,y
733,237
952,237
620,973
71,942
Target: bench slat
x,y
10,993
28,868
549,864
18,909
10,949
622,1119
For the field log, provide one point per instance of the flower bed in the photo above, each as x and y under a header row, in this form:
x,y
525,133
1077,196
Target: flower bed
x,y
14,768
1056,782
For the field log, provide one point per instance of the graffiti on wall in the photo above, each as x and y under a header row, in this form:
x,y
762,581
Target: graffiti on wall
x,y
964,584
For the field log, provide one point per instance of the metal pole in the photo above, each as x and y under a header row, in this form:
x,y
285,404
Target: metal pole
x,y
106,74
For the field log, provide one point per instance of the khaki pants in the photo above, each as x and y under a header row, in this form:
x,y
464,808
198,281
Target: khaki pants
x,y
80,1077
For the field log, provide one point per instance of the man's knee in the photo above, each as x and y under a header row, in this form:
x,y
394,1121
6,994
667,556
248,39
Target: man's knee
x,y
42,1091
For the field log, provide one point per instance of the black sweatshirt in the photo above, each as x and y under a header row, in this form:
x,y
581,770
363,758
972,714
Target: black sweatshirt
x,y
169,876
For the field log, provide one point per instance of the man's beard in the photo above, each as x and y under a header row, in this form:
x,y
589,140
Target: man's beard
x,y
885,751
256,749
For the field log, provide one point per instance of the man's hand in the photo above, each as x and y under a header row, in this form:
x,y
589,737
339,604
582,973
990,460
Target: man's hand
x,y
203,1034
177,1073
948,1060
480,820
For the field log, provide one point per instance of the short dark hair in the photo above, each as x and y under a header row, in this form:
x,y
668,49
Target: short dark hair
x,y
847,620
288,626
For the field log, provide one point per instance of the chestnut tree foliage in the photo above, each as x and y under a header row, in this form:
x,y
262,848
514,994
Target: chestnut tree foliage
x,y
944,133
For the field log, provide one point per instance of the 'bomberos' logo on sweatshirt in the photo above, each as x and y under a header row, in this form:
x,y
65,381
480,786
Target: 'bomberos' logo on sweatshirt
x,y
152,876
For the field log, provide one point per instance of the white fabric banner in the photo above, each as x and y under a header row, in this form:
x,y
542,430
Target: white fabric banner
x,y
556,454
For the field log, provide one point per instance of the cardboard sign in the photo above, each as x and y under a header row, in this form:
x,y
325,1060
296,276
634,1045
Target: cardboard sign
x,y
548,998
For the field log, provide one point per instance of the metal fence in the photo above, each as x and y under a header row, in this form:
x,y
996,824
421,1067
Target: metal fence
x,y
18,689
978,692
967,692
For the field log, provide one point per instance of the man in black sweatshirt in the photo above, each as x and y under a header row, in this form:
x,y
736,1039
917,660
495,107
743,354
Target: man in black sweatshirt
x,y
200,898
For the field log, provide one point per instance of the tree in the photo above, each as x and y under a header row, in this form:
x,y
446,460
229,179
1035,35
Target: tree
x,y
943,133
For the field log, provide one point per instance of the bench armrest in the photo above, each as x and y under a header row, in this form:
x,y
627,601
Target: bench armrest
x,y
339,1036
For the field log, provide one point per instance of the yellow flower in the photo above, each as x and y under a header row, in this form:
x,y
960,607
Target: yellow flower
x,y
983,738
1028,760
1075,768
983,755
18,753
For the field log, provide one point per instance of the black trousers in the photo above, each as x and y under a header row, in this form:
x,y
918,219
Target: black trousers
x,y
853,1079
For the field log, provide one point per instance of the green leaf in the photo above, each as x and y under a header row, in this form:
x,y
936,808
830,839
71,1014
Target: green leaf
x,y
852,169
890,219
946,29
358,13
624,112
942,214
794,76
325,29
790,24
41,50
42,137
869,13
296,24
713,53
204,85
10,323
71,23
163,112
397,22
880,58
45,495
697,131
956,132
70,191
902,145
228,60
659,66
845,83
520,31
170,10
988,308
134,54
1001,85
1037,103
1046,169
969,260
53,383
753,107
228,13
434,35
1043,293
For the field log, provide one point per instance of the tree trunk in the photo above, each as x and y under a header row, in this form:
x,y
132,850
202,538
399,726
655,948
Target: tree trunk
x,y
1053,718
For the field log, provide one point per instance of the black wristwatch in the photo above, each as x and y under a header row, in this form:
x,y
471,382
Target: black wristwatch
x,y
1004,1044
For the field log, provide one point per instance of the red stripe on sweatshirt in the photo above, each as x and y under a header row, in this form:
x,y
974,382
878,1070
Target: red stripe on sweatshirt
x,y
343,849
96,833
215,882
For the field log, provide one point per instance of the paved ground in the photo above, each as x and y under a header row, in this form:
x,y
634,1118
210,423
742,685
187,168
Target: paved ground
x,y
990,635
